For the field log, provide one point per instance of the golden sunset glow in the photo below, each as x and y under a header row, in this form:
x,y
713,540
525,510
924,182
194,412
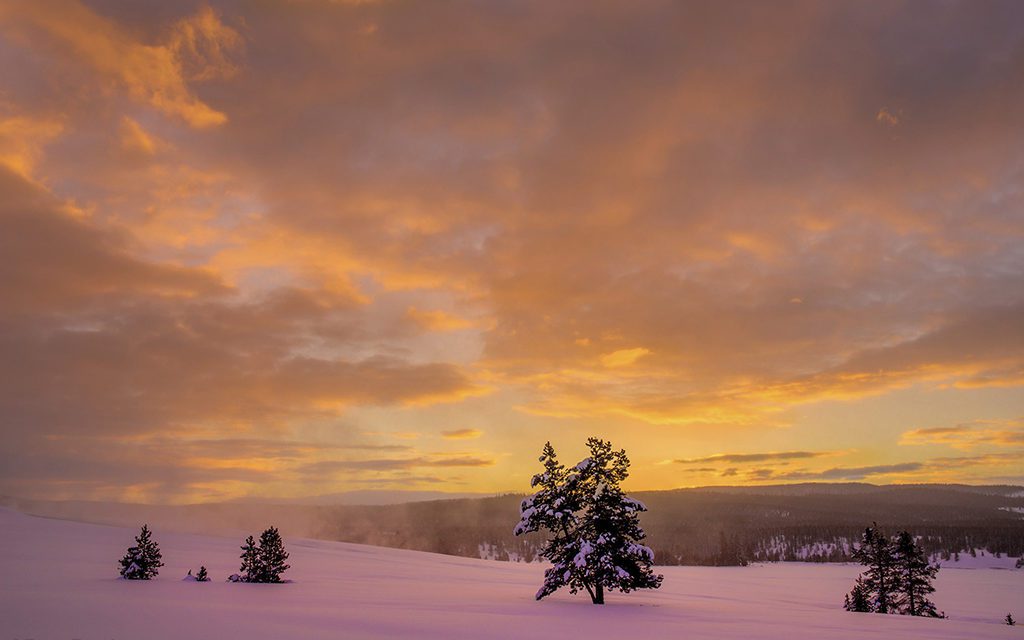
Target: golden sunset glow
x,y
292,248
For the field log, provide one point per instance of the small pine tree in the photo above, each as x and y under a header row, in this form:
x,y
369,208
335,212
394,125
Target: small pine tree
x,y
142,561
1009,620
271,556
202,576
858,599
914,577
595,529
249,571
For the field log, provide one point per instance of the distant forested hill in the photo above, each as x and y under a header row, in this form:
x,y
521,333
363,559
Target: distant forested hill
x,y
704,526
721,526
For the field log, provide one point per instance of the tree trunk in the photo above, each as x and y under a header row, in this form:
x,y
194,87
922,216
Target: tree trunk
x,y
598,593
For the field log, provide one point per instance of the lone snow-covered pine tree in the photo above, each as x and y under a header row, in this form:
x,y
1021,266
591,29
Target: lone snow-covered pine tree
x,y
594,527
202,576
142,561
913,577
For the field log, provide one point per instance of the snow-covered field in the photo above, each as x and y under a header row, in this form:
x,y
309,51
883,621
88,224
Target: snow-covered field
x,y
60,582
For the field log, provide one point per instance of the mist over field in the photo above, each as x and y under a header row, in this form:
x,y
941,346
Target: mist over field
x,y
712,526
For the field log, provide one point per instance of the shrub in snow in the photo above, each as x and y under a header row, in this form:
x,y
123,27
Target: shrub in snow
x,y
142,561
1009,620
898,578
858,600
265,562
594,528
202,576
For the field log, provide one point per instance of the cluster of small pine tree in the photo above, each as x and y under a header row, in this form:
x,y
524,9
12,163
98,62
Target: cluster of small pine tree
x,y
201,575
595,529
898,577
264,562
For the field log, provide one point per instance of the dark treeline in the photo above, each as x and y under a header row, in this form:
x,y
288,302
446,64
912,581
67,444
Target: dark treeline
x,y
705,526
817,523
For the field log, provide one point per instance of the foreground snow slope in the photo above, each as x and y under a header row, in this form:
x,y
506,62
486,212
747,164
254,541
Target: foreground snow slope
x,y
59,582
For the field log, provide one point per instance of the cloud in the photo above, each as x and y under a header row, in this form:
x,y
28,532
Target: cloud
x,y
755,457
22,139
55,261
392,464
437,320
623,357
978,433
300,222
198,49
134,138
141,347
887,118
934,468
462,434
852,473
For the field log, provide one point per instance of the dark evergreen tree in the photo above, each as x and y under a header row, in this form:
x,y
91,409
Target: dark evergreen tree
x,y
879,579
859,599
594,528
202,576
249,571
142,561
914,577
271,557
1009,620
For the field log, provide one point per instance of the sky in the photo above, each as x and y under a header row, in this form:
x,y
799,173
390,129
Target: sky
x,y
273,248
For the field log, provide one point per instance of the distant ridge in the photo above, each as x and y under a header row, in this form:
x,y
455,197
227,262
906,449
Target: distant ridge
x,y
845,488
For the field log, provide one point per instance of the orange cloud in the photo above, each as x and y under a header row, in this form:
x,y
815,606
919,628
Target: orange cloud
x,y
437,320
1006,433
462,434
22,139
623,357
155,74
608,238
135,138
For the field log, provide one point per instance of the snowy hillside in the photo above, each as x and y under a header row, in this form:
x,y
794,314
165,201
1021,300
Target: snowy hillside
x,y
60,582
